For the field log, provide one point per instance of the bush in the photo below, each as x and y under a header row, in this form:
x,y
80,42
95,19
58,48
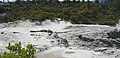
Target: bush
x,y
16,51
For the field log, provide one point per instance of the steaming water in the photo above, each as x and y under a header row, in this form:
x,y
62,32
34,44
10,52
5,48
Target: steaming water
x,y
23,28
20,31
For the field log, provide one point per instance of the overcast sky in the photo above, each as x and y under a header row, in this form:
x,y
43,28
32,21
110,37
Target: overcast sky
x,y
59,0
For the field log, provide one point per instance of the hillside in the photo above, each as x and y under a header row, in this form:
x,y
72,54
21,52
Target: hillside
x,y
78,12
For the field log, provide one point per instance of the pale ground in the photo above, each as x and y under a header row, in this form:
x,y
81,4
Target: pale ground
x,y
23,35
58,52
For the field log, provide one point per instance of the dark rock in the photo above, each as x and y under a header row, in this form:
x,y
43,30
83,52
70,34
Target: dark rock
x,y
15,32
2,32
114,34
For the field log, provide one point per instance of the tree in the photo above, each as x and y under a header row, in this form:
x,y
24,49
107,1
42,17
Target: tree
x,y
51,0
78,1
2,10
18,1
28,1
33,1
68,1
83,1
74,1
96,1
116,6
57,1
77,13
88,0
54,1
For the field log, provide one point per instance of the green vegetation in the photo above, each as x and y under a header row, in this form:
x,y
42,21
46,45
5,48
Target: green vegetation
x,y
16,51
74,11
2,10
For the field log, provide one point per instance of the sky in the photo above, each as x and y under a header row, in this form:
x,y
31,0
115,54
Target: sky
x,y
15,0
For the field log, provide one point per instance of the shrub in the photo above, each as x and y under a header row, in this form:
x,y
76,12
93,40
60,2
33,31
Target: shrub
x,y
16,51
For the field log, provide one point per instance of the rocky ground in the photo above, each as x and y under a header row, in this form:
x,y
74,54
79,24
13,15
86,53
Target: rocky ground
x,y
85,41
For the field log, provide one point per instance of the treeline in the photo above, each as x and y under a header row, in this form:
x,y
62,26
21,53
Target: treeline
x,y
57,1
73,11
